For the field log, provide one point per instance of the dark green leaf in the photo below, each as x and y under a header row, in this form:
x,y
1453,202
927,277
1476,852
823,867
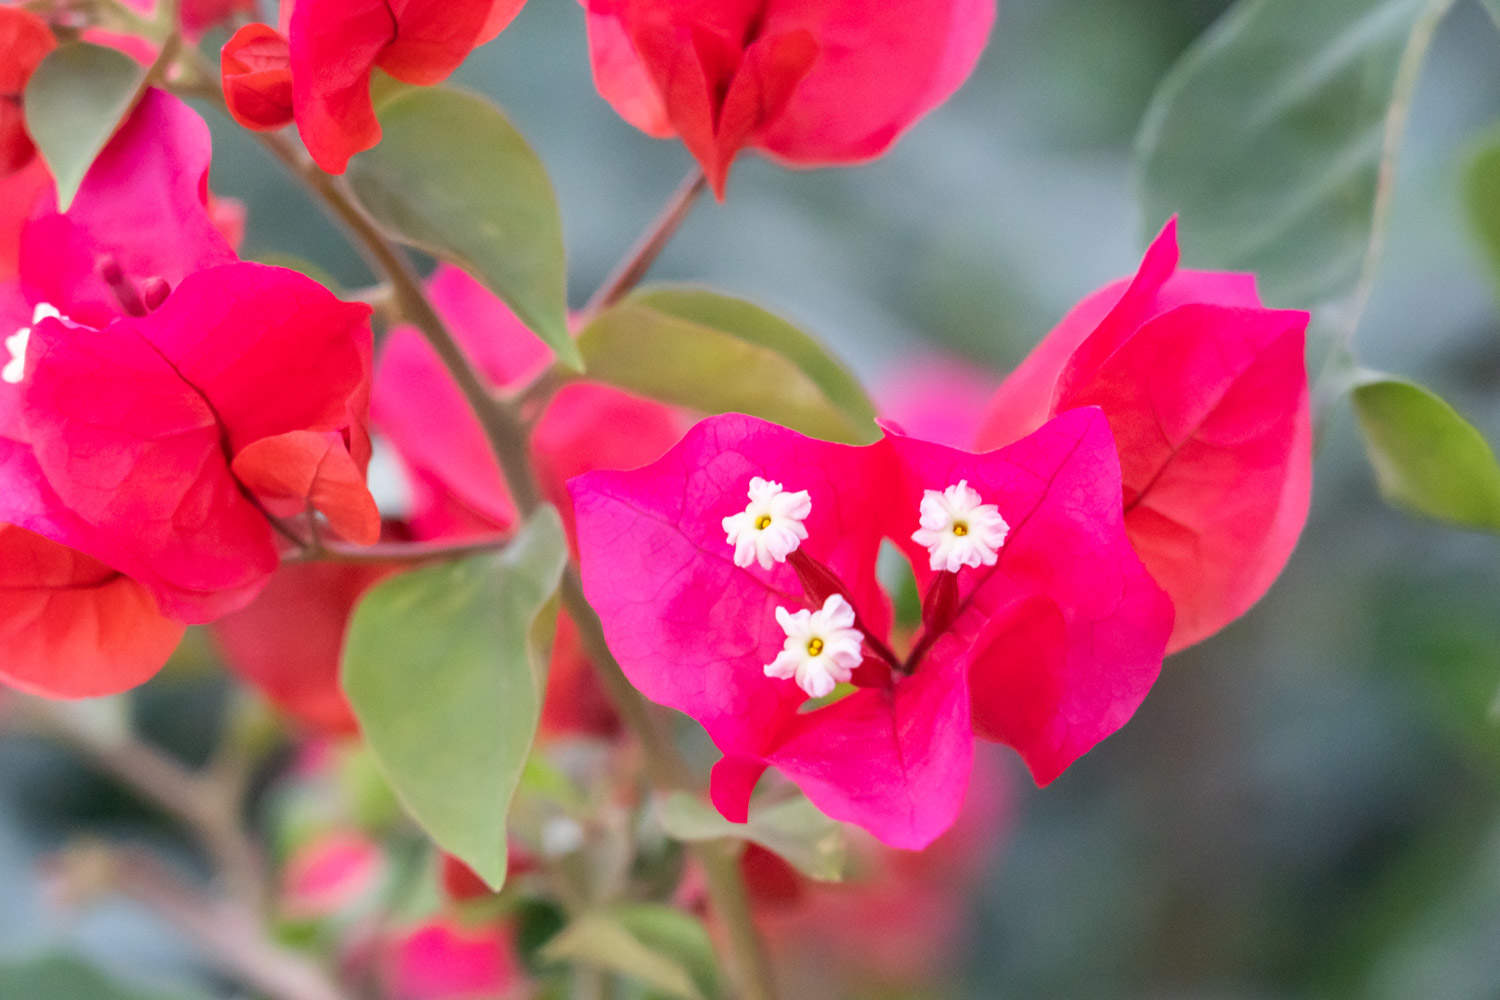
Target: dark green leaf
x,y
793,829
1269,137
63,977
1427,458
453,177
74,102
718,354
445,673
658,946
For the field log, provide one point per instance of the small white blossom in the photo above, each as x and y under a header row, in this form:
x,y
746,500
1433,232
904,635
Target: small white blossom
x,y
822,647
770,528
16,343
959,530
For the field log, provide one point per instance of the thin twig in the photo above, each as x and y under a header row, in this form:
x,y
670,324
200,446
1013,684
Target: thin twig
x,y
208,810
230,933
395,552
629,272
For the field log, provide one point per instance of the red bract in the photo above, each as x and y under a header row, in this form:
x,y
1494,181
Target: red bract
x,y
287,642
25,41
139,448
810,82
256,67
136,445
1042,629
1206,392
335,45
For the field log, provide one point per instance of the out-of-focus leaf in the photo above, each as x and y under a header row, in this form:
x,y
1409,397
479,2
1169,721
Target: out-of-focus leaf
x,y
63,977
445,675
74,102
658,946
1427,458
792,829
1493,6
1271,139
453,177
718,354
1481,190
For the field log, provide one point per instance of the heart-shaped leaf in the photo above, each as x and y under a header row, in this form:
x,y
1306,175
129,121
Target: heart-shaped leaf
x,y
1427,458
74,102
445,668
719,354
453,177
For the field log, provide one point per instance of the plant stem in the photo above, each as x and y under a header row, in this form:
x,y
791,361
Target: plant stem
x,y
726,888
507,438
394,552
629,272
208,809
1408,75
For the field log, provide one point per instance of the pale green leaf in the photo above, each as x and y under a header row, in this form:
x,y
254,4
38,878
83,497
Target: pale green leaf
x,y
64,977
1272,139
792,829
718,354
1481,190
445,673
1493,6
74,102
1427,458
453,177
655,945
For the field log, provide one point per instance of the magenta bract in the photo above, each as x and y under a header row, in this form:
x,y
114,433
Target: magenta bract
x,y
1049,649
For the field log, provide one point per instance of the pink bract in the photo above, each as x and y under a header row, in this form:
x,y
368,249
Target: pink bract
x,y
1206,392
1050,650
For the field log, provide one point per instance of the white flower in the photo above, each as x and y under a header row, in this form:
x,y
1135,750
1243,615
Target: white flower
x,y
770,528
959,530
15,368
822,647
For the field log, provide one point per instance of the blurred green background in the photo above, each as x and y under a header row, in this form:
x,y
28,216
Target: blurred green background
x,y
1309,804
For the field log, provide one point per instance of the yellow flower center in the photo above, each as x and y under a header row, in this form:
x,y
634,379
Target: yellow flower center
x,y
763,522
960,528
814,646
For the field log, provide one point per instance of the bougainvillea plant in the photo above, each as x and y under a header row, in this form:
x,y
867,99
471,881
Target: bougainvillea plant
x,y
667,498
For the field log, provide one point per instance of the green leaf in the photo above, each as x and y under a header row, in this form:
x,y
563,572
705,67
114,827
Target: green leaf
x,y
63,977
792,829
453,177
1427,458
1481,192
719,354
1493,6
1274,136
445,674
656,945
74,102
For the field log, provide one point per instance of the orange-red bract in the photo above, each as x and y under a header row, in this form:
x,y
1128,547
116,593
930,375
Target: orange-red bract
x,y
25,41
